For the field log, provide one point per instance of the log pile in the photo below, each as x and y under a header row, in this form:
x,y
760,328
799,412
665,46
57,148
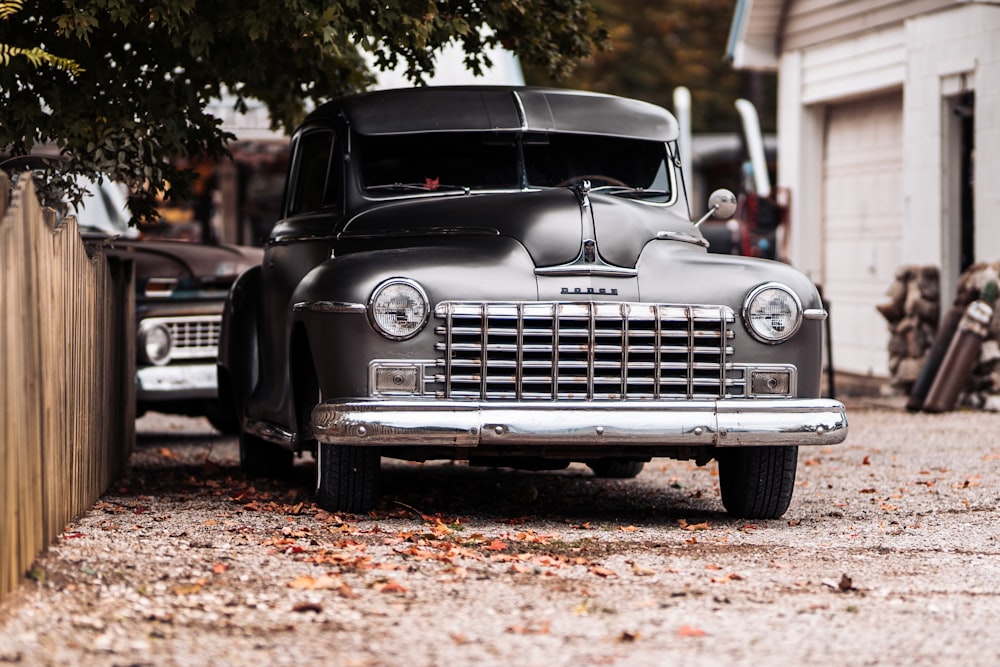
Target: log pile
x,y
912,314
913,317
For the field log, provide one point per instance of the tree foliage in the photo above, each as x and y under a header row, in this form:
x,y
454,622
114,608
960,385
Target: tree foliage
x,y
655,46
147,70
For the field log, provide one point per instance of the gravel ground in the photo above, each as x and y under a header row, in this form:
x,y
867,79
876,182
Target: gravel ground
x,y
888,556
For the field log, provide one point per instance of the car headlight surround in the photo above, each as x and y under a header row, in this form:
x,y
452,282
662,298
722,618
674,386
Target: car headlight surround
x,y
772,313
398,308
155,343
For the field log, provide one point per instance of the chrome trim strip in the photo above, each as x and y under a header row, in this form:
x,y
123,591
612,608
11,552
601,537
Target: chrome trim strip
x,y
268,431
815,314
684,237
418,232
521,115
330,307
723,423
579,268
176,381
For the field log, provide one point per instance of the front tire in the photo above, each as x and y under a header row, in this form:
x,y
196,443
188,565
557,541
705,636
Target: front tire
x,y
757,482
347,478
260,458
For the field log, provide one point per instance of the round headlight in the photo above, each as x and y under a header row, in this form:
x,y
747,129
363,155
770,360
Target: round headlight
x,y
772,313
155,343
398,309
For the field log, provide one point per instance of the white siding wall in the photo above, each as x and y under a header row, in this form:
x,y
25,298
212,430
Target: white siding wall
x,y
947,51
862,224
836,87
846,225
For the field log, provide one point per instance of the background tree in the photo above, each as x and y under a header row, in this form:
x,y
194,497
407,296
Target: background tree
x,y
657,45
147,70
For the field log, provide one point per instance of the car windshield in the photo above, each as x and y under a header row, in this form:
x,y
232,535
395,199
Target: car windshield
x,y
463,161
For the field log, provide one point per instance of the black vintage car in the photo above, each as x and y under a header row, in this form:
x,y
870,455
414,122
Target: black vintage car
x,y
511,276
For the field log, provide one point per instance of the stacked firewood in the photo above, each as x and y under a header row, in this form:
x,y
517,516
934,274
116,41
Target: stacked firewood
x,y
913,316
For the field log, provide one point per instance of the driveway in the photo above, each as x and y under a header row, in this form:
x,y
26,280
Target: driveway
x,y
889,555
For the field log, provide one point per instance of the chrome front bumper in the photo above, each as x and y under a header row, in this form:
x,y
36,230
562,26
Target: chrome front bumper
x,y
176,381
722,423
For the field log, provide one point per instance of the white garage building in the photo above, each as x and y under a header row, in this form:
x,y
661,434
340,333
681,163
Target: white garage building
x,y
888,141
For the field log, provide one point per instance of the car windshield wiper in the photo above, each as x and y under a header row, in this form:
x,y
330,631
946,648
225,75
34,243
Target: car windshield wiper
x,y
633,193
410,187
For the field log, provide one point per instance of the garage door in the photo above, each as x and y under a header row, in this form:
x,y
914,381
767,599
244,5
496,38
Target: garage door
x,y
862,225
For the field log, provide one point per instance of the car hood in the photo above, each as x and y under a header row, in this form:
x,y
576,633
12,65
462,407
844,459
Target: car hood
x,y
550,224
191,265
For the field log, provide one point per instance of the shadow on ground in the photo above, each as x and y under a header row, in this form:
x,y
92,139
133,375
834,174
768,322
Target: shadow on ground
x,y
196,465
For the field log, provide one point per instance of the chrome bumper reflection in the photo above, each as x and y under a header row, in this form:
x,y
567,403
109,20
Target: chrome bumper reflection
x,y
176,381
723,423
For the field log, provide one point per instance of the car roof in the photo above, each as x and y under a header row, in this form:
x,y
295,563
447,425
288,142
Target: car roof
x,y
499,109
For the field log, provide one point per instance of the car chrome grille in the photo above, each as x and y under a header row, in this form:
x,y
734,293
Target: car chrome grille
x,y
586,351
193,337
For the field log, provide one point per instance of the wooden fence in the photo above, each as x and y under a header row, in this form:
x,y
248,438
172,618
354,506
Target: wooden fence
x,y
67,369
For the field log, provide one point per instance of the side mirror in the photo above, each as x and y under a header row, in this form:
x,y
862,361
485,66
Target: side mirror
x,y
721,206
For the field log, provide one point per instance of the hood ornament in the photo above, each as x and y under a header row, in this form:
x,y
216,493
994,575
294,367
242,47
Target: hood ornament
x,y
588,261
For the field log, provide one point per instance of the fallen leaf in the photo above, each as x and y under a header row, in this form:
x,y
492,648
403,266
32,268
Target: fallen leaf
x,y
627,637
496,545
390,587
602,571
307,606
689,631
540,629
219,568
970,482
640,571
188,589
692,526
307,582
628,529
167,453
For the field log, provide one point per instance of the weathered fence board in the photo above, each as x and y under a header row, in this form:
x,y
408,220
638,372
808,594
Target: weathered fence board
x,y
66,377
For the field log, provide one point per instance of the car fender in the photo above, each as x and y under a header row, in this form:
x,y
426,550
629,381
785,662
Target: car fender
x,y
330,303
671,272
238,347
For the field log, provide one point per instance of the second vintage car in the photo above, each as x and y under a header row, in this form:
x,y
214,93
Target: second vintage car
x,y
512,277
180,291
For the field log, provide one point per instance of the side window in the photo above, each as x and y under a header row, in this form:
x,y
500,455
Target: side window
x,y
317,179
